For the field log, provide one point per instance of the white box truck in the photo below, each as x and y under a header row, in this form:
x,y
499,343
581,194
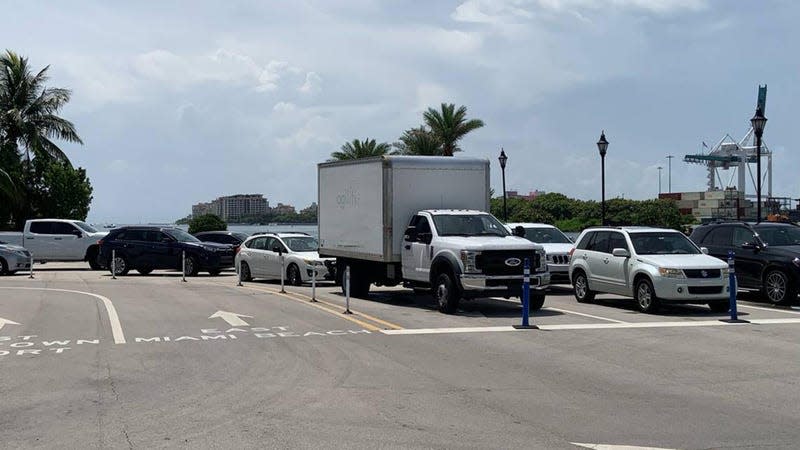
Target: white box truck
x,y
422,221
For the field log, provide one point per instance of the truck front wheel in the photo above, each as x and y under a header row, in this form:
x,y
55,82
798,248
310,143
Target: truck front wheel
x,y
536,302
446,293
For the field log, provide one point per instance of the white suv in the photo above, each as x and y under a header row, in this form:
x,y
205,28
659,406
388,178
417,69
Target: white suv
x,y
652,265
556,245
260,257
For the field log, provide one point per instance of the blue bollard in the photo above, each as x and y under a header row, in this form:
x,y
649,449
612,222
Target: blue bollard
x,y
526,297
732,288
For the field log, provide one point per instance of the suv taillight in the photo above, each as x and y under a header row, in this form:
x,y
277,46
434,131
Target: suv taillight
x,y
100,242
571,251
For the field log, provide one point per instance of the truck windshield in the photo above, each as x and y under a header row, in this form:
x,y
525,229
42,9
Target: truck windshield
x,y
302,244
778,236
468,225
663,243
181,236
546,235
86,227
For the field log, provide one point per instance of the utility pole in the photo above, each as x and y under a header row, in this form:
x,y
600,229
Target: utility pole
x,y
669,172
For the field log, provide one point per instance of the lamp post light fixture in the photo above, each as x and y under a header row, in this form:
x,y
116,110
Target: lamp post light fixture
x,y
759,122
503,158
602,146
659,180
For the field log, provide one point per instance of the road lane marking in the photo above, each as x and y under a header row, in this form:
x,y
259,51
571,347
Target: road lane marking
x,y
4,322
761,308
591,326
617,447
233,319
113,318
566,311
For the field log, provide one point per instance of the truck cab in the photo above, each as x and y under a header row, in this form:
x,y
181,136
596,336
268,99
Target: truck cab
x,y
469,254
58,240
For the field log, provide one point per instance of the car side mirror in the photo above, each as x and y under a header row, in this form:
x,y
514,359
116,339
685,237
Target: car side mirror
x,y
620,253
519,230
750,245
277,250
704,250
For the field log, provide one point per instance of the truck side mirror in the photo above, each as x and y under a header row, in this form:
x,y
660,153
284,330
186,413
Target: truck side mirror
x,y
410,234
519,230
77,233
425,237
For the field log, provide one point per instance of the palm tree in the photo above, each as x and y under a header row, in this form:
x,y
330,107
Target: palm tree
x,y
29,111
358,149
419,141
6,185
450,125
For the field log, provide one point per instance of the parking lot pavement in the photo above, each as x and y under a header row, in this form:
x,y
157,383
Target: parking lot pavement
x,y
209,364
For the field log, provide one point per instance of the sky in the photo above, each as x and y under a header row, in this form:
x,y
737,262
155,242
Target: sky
x,y
181,102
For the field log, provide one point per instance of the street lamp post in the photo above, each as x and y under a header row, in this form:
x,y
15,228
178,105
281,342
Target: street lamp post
x,y
602,146
669,172
759,122
659,180
503,158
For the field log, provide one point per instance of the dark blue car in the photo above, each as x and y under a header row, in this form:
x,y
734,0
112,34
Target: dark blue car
x,y
145,248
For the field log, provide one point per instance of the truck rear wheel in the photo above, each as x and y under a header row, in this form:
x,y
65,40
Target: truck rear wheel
x,y
446,293
359,283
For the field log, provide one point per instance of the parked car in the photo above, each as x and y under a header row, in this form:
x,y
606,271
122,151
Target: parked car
x,y
652,265
145,248
58,240
259,257
767,255
13,258
233,238
556,246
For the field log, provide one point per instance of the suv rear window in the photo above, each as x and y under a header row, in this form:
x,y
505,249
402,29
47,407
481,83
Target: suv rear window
x,y
584,242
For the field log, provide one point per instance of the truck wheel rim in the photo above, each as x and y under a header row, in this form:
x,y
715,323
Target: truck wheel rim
x,y
580,287
776,287
644,296
441,292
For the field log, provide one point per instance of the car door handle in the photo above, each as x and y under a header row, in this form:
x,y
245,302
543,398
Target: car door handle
x,y
57,239
605,261
408,247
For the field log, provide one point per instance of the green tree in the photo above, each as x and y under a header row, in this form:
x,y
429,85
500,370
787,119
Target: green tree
x,y
419,141
450,125
207,222
357,149
29,124
60,190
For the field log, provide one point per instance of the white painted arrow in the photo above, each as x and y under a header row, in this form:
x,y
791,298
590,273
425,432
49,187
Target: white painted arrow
x,y
616,447
233,319
4,322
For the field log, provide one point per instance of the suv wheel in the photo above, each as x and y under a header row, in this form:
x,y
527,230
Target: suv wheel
x,y
645,296
582,292
144,270
293,275
777,288
120,265
446,293
3,266
191,266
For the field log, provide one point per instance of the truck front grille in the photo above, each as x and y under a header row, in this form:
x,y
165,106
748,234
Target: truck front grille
x,y
494,262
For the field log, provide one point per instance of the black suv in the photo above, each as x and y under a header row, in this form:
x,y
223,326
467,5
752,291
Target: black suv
x,y
767,255
233,238
148,248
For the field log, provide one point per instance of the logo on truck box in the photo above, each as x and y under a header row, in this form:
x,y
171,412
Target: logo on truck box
x,y
348,199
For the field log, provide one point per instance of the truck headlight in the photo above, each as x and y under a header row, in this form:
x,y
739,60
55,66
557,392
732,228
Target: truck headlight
x,y
468,261
796,262
671,273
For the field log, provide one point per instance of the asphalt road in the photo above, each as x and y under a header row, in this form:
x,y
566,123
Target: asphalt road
x,y
208,364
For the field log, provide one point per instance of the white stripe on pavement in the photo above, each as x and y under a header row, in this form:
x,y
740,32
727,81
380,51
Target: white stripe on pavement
x,y
113,318
566,311
616,447
592,326
761,308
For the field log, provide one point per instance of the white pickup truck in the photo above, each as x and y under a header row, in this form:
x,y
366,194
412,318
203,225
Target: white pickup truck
x,y
422,222
58,240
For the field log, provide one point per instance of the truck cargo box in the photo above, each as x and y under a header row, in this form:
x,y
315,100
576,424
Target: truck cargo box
x,y
365,204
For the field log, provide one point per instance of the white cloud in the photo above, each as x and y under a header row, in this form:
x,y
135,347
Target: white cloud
x,y
312,85
284,107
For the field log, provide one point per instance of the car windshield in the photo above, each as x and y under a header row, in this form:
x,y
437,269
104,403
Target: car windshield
x,y
302,243
663,243
546,235
468,225
86,227
181,236
779,235
240,236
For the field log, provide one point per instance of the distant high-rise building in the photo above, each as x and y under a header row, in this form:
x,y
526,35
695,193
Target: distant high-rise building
x,y
283,209
233,208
